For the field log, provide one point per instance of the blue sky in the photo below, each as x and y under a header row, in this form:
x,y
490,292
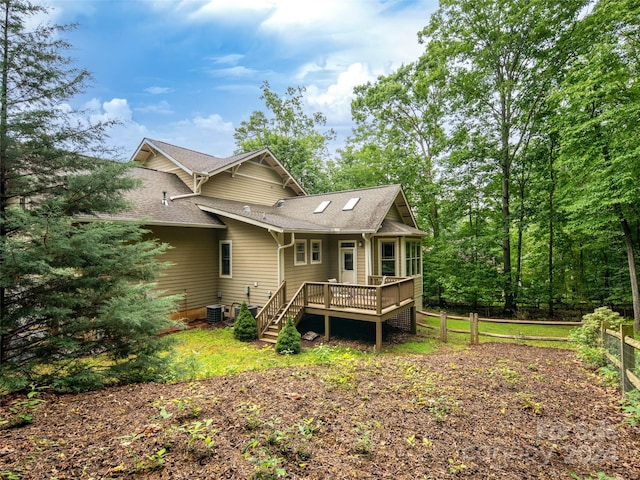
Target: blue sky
x,y
188,72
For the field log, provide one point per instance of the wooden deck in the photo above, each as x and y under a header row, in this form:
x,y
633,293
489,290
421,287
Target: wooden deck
x,y
377,302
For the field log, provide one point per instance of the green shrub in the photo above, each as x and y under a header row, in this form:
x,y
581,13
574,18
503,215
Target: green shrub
x,y
587,337
589,334
245,328
288,339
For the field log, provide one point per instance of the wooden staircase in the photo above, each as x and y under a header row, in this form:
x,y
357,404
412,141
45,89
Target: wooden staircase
x,y
270,334
274,314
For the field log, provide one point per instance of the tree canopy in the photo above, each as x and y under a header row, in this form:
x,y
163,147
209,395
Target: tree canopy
x,y
516,136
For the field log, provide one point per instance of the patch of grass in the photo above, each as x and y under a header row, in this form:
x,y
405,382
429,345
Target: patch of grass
x,y
203,353
418,345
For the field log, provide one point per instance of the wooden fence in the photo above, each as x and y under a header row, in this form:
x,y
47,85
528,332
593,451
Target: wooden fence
x,y
624,348
475,333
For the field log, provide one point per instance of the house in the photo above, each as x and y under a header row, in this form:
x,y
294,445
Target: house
x,y
243,229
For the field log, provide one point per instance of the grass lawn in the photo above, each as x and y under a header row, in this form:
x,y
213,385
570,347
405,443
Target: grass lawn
x,y
205,353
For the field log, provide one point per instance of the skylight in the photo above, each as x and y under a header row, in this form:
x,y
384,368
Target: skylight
x,y
350,205
322,207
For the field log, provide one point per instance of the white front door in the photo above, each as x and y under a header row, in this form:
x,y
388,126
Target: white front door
x,y
348,273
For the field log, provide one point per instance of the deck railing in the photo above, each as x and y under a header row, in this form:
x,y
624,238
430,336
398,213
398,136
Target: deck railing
x,y
384,292
374,298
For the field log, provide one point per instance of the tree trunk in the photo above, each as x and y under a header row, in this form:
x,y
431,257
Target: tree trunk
x,y
552,190
632,273
3,173
506,232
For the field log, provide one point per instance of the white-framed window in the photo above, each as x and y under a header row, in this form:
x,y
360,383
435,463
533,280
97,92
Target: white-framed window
x,y
225,258
413,261
388,257
316,251
300,257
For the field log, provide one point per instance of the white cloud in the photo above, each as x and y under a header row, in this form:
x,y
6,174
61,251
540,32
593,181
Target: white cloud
x,y
158,90
231,59
239,10
238,71
213,122
161,108
114,109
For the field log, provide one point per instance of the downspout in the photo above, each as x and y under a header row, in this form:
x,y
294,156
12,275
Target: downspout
x,y
367,256
280,249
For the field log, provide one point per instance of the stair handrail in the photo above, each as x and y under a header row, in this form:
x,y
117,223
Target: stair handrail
x,y
296,301
270,310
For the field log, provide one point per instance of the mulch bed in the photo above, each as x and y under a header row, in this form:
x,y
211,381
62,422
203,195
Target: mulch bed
x,y
499,411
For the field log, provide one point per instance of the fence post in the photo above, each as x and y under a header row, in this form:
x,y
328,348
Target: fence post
x,y
476,332
473,327
443,327
627,358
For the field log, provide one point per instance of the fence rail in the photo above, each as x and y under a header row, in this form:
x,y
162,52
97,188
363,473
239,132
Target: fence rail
x,y
474,332
624,356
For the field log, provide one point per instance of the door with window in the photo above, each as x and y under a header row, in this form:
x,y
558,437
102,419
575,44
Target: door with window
x,y
348,273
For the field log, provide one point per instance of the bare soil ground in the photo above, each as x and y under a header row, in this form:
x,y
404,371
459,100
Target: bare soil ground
x,y
495,411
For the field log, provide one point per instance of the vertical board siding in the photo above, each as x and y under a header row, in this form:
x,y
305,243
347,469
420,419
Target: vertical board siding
x,y
253,183
194,269
394,214
253,259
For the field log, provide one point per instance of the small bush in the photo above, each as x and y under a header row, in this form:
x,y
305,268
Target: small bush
x,y
245,328
589,333
288,341
587,337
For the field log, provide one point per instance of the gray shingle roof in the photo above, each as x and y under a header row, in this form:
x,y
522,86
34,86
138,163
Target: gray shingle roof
x,y
190,159
201,163
146,202
290,214
296,214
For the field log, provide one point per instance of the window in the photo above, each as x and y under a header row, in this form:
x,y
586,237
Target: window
x,y
316,251
225,258
322,207
351,204
301,253
388,258
412,257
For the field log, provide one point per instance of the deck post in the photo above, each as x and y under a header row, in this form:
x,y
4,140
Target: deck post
x,y
327,327
414,321
378,336
327,296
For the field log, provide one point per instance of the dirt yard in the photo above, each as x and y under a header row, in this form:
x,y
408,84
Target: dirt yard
x,y
494,411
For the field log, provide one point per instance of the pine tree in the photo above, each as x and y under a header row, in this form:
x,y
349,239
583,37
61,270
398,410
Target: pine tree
x,y
289,339
71,289
245,328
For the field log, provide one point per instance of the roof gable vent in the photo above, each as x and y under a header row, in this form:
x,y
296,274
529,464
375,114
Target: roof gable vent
x,y
322,207
351,204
